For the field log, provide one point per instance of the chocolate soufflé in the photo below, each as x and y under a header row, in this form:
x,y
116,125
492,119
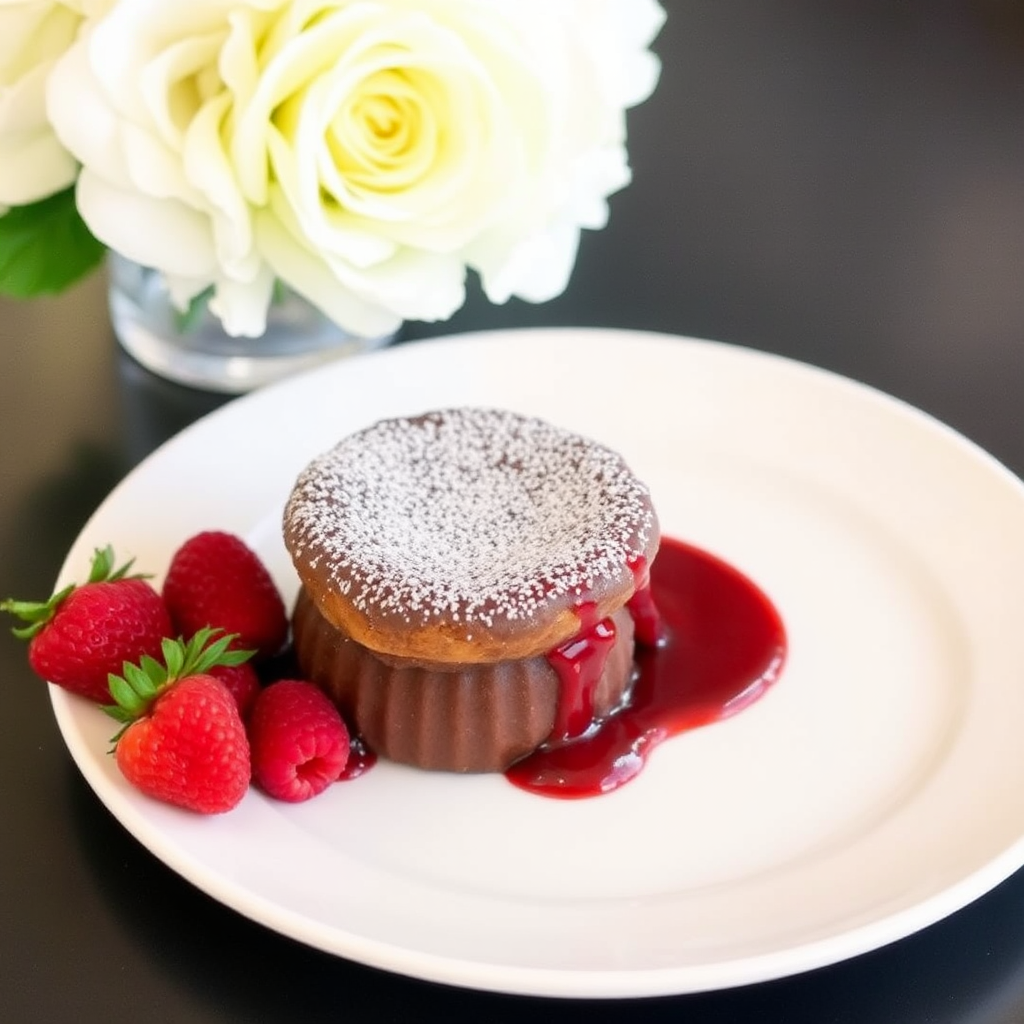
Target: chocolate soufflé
x,y
445,559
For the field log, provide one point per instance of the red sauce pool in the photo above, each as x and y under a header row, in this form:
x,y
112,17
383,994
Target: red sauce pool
x,y
721,645
709,643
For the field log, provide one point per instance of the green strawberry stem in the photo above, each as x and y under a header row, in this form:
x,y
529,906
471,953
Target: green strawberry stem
x,y
38,613
139,686
103,567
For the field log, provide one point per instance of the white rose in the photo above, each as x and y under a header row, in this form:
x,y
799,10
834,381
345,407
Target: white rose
x,y
594,62
33,164
33,34
366,153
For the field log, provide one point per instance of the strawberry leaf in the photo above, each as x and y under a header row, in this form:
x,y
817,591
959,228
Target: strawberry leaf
x,y
122,572
146,678
102,569
235,657
36,613
202,652
102,563
208,655
128,705
27,632
174,657
120,715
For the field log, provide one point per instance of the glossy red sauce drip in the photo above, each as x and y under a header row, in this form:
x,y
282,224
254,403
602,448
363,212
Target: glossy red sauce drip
x,y
720,645
580,665
360,760
647,623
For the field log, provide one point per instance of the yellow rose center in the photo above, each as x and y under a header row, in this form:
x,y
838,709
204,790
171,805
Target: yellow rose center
x,y
385,136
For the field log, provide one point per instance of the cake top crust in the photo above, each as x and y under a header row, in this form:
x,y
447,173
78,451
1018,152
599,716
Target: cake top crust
x,y
474,519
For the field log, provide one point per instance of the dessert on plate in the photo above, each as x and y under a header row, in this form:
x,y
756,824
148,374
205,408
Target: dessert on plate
x,y
466,577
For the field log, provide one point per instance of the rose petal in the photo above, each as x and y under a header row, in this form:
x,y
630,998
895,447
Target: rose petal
x,y
164,234
83,119
33,167
242,306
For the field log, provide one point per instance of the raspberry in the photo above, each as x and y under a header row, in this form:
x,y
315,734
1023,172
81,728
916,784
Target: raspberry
x,y
216,580
299,743
242,683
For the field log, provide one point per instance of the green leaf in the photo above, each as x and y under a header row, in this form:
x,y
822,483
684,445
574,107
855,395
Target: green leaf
x,y
36,613
236,656
127,701
137,680
208,654
203,652
27,632
28,611
103,568
150,679
45,246
102,563
174,657
187,320
119,714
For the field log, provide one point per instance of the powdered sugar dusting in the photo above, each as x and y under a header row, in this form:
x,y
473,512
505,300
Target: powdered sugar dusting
x,y
467,516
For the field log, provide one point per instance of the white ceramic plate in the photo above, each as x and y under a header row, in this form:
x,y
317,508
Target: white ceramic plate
x,y
875,789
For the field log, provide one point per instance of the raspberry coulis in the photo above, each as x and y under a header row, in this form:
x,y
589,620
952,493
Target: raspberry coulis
x,y
579,664
709,643
360,760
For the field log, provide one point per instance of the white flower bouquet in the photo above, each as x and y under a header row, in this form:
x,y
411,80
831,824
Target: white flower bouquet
x,y
366,153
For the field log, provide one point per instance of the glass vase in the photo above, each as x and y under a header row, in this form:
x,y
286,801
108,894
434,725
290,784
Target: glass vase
x,y
202,355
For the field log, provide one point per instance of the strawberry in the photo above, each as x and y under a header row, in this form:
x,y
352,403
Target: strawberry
x,y
216,580
183,741
83,633
299,743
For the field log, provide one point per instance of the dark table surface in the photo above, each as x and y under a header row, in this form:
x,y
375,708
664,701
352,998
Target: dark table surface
x,y
838,182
